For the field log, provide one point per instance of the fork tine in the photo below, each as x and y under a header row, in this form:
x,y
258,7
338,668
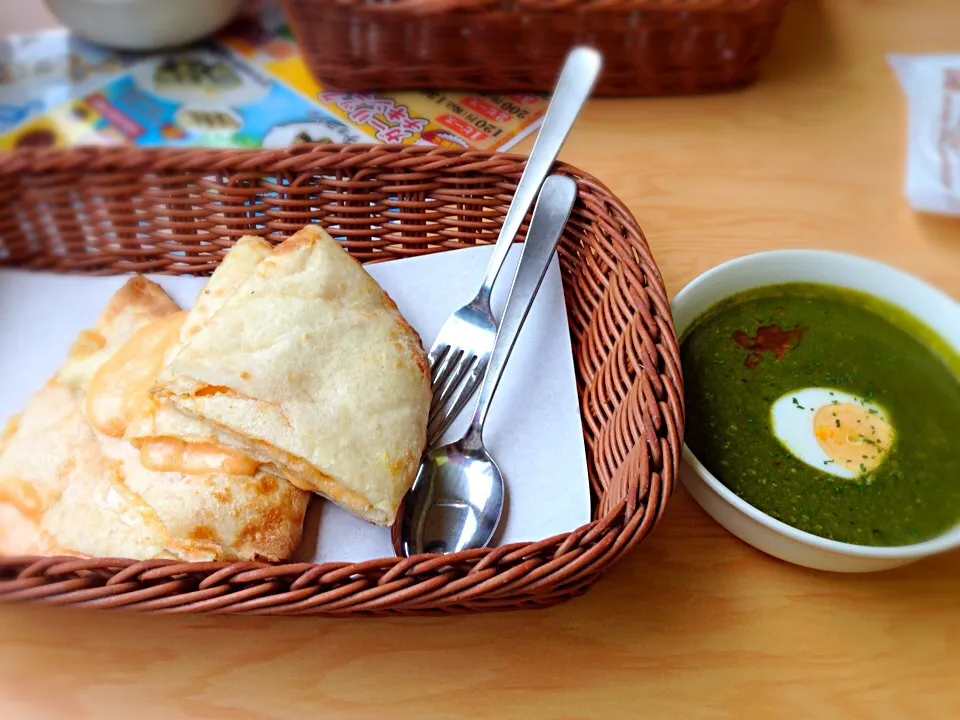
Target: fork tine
x,y
435,430
436,354
445,366
457,403
455,377
454,398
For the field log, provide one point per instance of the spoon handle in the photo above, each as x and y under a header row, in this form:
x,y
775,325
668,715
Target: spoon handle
x,y
577,78
550,216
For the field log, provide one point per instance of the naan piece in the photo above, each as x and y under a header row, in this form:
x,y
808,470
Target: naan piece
x,y
311,369
71,484
163,419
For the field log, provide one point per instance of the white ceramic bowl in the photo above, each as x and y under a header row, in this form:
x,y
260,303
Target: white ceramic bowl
x,y
144,24
937,310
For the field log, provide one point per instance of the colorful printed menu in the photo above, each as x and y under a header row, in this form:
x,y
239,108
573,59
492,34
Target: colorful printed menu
x,y
246,87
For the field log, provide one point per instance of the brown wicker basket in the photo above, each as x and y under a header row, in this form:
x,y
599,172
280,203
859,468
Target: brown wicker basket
x,y
105,211
650,47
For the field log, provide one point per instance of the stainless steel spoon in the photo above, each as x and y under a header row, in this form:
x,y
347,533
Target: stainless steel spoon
x,y
457,497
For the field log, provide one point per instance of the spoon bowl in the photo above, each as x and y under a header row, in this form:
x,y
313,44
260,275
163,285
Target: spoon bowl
x,y
456,500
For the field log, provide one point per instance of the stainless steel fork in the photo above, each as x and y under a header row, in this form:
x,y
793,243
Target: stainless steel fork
x,y
461,352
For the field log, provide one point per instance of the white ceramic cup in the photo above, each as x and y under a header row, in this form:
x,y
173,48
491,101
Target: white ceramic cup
x,y
929,305
144,24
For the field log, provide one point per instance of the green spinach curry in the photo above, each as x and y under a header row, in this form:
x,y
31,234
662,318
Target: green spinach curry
x,y
810,347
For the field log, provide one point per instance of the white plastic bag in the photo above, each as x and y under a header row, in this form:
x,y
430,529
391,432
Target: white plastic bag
x,y
932,86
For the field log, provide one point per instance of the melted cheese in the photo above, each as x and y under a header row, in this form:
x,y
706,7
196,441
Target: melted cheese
x,y
24,497
120,392
120,389
167,454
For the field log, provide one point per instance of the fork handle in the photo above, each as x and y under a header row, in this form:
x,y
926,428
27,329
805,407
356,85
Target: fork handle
x,y
550,216
579,74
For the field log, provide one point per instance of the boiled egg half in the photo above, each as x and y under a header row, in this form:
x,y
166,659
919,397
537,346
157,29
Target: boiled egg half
x,y
833,431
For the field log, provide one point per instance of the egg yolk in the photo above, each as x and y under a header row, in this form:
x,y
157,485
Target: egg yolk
x,y
852,436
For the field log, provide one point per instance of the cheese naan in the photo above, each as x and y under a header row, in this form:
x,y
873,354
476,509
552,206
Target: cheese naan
x,y
310,368
71,484
163,419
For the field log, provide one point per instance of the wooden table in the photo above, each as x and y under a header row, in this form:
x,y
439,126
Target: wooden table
x,y
694,623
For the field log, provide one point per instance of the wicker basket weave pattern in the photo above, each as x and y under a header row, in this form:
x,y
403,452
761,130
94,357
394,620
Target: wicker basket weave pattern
x,y
106,211
650,47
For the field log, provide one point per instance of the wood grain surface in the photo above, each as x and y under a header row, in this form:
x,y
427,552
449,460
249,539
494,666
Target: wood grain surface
x,y
694,624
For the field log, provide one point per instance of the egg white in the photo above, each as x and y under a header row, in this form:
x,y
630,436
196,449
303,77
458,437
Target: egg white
x,y
791,417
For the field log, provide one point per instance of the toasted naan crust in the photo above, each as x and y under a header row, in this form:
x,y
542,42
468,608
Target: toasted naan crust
x,y
312,370
66,488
